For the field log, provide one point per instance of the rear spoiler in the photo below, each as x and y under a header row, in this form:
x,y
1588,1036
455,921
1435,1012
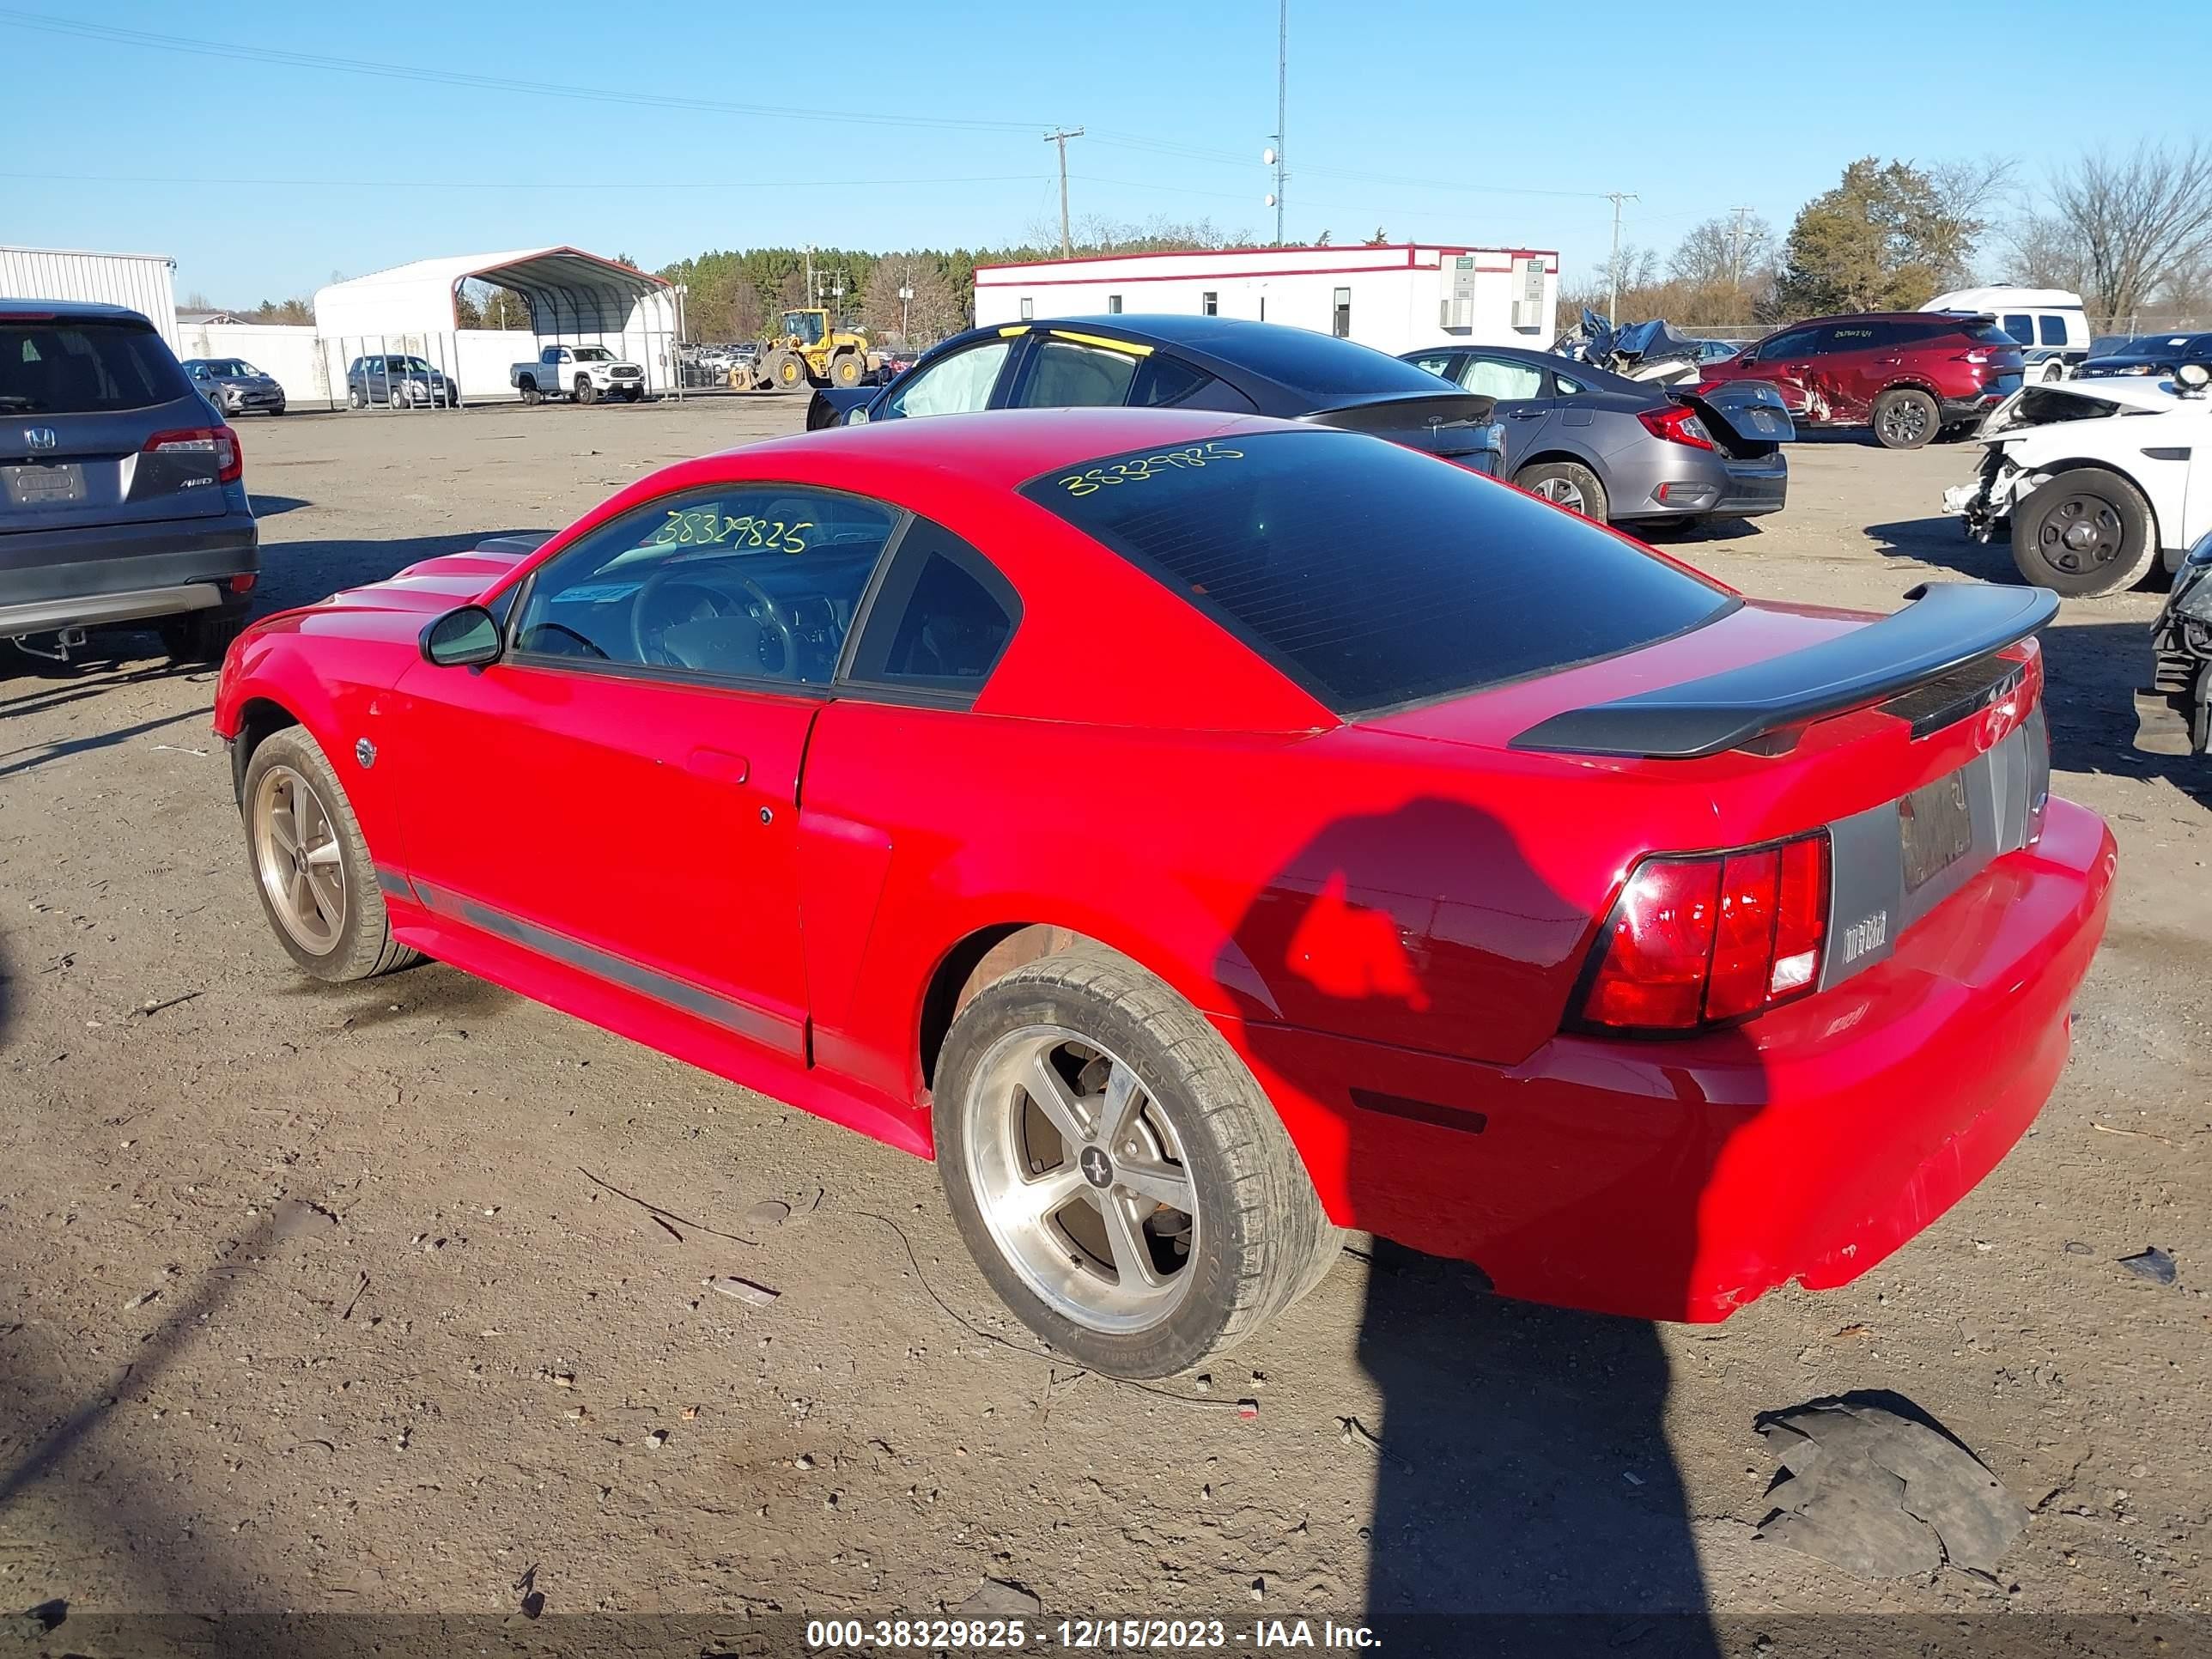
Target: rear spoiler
x,y
1445,423
1946,626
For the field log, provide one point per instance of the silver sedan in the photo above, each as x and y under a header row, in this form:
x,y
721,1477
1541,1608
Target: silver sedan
x,y
1624,450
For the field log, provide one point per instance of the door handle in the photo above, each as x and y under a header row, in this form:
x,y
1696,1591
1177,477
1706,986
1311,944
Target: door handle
x,y
1889,362
717,765
1526,414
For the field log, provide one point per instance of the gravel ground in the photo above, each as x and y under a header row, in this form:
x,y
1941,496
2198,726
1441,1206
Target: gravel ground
x,y
345,1299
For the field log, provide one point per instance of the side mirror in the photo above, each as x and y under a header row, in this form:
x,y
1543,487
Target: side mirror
x,y
466,638
2192,379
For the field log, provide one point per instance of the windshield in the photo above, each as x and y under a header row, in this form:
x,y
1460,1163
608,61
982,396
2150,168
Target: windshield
x,y
230,368
806,324
1371,576
594,355
65,368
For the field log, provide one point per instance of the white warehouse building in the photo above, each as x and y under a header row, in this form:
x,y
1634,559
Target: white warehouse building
x,y
143,282
1395,298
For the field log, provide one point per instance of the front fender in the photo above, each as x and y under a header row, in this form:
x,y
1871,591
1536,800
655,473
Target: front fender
x,y
332,694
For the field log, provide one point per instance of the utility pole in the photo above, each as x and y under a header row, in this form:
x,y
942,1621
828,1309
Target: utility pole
x,y
813,298
1061,137
1735,247
1282,108
1612,265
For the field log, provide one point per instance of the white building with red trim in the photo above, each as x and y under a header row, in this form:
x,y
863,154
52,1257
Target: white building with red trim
x,y
1395,298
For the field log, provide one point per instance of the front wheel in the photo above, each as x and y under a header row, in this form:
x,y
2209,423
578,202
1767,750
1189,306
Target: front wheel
x,y
2084,533
1122,1181
584,390
311,865
1905,418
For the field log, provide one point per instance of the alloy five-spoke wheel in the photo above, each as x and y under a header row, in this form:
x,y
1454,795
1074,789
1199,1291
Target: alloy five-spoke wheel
x,y
1080,1174
1114,1167
312,868
298,859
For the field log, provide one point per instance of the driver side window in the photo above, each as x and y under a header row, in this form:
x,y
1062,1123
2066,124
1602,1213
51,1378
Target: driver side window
x,y
750,581
958,385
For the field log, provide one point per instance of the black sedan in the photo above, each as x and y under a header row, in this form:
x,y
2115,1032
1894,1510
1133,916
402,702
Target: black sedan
x,y
1183,362
2148,353
1630,452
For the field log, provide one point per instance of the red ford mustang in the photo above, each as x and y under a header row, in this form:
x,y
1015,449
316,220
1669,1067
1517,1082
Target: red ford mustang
x,y
1203,834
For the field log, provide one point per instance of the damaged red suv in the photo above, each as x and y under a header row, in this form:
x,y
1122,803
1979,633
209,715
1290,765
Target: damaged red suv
x,y
1908,375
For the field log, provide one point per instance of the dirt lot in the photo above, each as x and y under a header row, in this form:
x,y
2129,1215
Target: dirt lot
x,y
333,1300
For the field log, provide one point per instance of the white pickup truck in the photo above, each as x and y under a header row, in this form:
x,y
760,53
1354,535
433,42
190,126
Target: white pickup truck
x,y
586,373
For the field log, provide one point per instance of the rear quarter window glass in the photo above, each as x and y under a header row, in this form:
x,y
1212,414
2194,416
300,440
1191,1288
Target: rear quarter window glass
x,y
1371,576
2053,330
66,367
941,619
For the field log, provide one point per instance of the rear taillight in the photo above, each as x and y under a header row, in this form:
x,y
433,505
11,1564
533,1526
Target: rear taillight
x,y
1677,425
1973,356
1702,940
218,443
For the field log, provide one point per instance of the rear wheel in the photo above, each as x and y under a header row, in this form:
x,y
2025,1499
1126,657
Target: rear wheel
x,y
1570,483
584,390
2054,370
2086,531
845,370
310,866
200,637
1905,418
1123,1183
530,392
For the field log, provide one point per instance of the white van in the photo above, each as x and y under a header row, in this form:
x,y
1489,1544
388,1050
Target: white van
x,y
2048,322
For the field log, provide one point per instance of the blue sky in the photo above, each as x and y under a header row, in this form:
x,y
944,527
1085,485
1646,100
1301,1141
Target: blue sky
x,y
1436,121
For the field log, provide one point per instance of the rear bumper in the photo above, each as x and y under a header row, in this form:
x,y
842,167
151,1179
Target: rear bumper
x,y
107,573
1680,1180
1957,410
1722,489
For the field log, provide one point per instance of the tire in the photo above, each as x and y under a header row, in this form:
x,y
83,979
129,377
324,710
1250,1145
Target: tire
x,y
1255,1238
847,369
2086,531
279,409
585,391
199,638
1568,484
786,371
353,398
289,771
1906,418
2053,370
530,392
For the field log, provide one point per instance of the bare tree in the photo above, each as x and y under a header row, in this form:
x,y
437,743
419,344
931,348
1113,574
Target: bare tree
x,y
2042,252
2138,219
1722,252
931,314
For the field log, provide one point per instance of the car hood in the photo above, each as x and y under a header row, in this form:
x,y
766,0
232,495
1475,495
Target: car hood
x,y
2038,407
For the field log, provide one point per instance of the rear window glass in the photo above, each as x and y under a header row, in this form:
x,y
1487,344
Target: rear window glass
x,y
72,368
1371,576
1989,334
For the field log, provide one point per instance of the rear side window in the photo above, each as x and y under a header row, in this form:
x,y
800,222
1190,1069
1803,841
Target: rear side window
x,y
1166,382
2054,330
941,619
80,368
2020,326
1371,576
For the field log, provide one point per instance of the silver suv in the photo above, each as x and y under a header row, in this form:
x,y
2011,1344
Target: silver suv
x,y
122,493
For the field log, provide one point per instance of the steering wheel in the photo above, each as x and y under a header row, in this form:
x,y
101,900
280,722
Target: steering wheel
x,y
646,624
644,628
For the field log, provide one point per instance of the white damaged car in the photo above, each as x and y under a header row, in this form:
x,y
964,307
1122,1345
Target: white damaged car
x,y
2092,477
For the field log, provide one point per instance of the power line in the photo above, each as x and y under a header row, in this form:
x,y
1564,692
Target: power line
x,y
631,185
484,82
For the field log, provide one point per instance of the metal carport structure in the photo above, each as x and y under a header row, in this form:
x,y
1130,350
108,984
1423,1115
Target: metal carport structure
x,y
575,298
